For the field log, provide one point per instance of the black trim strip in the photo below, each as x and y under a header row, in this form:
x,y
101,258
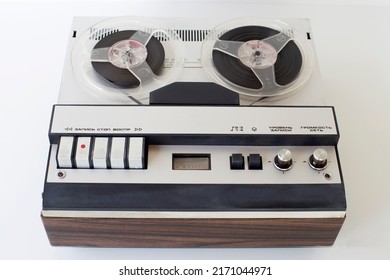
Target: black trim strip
x,y
199,197
225,140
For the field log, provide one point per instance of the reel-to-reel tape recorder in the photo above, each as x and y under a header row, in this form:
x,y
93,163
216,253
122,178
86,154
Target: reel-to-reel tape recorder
x,y
189,135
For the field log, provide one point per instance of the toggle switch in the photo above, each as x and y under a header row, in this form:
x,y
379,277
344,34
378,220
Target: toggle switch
x,y
255,162
237,161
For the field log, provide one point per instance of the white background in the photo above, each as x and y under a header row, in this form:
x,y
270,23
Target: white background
x,y
352,45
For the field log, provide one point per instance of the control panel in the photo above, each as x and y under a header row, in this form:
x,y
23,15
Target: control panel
x,y
193,158
193,145
130,160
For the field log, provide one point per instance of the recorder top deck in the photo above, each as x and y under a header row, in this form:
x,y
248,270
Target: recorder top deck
x,y
121,60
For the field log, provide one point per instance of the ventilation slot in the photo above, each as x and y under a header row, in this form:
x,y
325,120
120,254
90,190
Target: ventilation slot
x,y
159,35
186,35
192,35
101,33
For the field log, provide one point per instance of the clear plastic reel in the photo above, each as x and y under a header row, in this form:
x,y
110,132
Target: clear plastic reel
x,y
83,54
259,56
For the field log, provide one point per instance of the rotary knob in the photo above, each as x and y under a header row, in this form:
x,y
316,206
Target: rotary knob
x,y
283,160
319,159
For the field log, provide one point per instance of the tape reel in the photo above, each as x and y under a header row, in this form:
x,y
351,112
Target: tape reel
x,y
260,59
124,59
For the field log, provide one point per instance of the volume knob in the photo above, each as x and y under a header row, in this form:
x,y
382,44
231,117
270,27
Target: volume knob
x,y
283,160
319,159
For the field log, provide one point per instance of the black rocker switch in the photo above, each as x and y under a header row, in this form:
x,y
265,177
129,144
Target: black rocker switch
x,y
255,162
237,161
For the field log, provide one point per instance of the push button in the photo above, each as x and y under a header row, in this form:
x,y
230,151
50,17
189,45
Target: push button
x,y
136,153
237,161
99,154
82,152
117,155
255,162
64,154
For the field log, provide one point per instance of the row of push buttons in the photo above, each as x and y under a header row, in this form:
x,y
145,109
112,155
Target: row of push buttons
x,y
254,162
101,152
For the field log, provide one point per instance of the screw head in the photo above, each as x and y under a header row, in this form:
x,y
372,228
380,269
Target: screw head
x,y
61,174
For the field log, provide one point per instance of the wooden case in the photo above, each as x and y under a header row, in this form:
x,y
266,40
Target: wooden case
x,y
152,232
